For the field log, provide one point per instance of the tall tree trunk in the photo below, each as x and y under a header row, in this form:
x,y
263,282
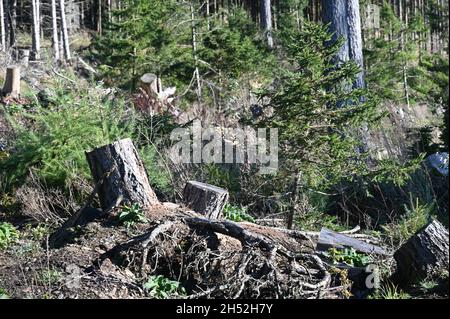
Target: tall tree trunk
x,y
266,21
194,52
335,14
2,27
355,43
99,20
344,21
55,42
36,36
65,34
12,18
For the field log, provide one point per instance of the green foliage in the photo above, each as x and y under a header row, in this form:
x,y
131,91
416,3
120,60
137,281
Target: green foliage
x,y
3,294
415,217
8,234
232,50
317,115
157,37
389,291
50,276
141,39
131,215
161,287
158,173
348,256
37,232
397,65
55,146
237,214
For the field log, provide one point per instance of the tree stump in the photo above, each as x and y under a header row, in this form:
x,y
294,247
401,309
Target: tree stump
x,y
119,171
151,83
205,199
12,82
423,255
24,57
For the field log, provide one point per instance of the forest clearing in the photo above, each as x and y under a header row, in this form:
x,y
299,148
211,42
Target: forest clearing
x,y
192,149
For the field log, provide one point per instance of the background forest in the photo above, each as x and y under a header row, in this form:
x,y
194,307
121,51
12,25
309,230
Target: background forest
x,y
359,114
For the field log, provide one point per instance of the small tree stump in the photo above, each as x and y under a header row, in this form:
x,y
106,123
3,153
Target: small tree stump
x,y
205,199
24,57
12,82
150,83
123,174
423,255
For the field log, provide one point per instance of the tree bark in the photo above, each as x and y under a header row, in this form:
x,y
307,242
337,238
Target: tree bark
x,y
355,42
36,35
423,255
2,27
205,199
12,18
65,34
120,172
266,21
12,82
55,42
335,14
345,21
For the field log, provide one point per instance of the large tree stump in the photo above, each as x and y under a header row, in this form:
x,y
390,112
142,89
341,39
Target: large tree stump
x,y
12,82
120,172
423,255
205,199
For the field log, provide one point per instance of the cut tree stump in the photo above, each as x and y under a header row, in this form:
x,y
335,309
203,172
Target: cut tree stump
x,y
205,199
119,171
12,82
151,83
329,239
24,57
423,255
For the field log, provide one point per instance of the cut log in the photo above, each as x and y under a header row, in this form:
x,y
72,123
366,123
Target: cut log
x,y
150,83
329,239
12,82
123,174
205,199
423,255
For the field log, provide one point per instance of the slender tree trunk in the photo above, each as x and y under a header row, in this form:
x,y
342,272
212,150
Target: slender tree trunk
x,y
266,21
194,51
335,14
12,17
2,27
99,20
65,34
344,19
36,37
55,42
355,42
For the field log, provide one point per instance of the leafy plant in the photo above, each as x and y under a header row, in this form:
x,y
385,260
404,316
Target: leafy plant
x,y
8,234
162,287
415,217
389,291
56,143
348,256
3,294
237,214
131,215
50,276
